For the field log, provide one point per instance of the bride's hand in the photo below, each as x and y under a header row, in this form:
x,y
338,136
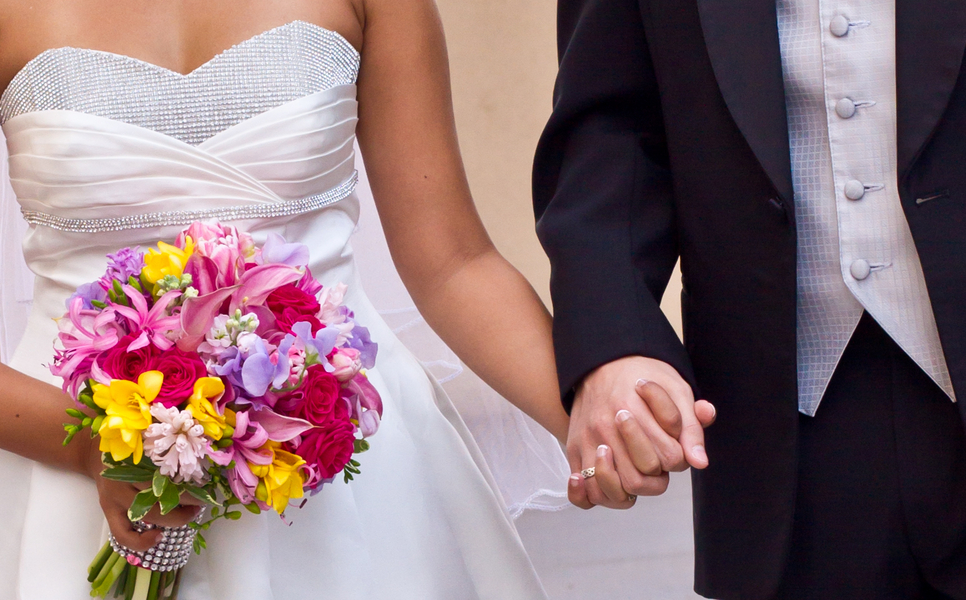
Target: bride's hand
x,y
116,497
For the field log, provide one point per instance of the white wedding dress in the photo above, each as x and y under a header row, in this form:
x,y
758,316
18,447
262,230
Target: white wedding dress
x,y
106,151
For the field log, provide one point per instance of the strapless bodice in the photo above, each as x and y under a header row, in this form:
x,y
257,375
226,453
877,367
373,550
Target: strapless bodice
x,y
107,151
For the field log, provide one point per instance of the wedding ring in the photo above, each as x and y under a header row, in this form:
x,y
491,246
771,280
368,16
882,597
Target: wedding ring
x,y
588,473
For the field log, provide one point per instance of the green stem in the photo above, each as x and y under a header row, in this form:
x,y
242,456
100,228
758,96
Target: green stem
x,y
132,577
98,563
105,570
143,584
155,583
175,587
118,565
121,581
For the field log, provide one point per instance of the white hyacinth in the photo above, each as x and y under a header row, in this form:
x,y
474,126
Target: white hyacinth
x,y
176,444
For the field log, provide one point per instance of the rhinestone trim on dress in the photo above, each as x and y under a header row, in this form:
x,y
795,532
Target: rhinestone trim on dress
x,y
186,217
257,75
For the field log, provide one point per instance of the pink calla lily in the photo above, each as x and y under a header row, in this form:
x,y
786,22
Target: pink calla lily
x,y
258,283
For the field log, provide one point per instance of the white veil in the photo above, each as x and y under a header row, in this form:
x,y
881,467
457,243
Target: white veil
x,y
525,459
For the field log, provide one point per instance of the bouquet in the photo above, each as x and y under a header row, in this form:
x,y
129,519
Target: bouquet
x,y
213,368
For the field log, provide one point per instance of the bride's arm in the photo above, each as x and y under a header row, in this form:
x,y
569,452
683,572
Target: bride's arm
x,y
31,423
32,414
471,296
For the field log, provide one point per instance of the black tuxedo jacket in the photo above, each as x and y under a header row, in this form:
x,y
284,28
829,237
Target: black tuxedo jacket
x,y
669,138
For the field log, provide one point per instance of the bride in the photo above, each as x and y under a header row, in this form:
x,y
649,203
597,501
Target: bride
x,y
125,121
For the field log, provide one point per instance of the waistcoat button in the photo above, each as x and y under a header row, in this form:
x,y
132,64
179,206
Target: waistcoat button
x,y
845,108
854,190
860,269
839,26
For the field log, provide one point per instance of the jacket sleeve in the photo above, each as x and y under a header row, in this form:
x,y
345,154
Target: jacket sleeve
x,y
603,195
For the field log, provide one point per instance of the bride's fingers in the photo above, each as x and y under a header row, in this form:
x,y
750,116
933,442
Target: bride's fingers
x,y
176,518
122,529
605,475
577,492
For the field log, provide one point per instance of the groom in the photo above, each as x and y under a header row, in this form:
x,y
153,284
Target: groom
x,y
806,161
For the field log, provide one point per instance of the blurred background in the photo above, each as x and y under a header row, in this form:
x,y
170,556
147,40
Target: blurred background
x,y
503,63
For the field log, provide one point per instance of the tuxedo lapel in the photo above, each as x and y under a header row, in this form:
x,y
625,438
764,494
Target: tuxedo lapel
x,y
930,40
742,41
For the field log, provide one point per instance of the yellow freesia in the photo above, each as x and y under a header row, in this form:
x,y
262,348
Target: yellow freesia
x,y
128,408
166,260
208,390
281,480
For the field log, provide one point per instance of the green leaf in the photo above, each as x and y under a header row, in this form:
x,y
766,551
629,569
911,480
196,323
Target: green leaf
x,y
159,484
202,494
199,543
361,446
128,474
142,505
170,498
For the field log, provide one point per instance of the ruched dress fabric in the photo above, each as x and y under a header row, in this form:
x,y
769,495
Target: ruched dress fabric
x,y
424,521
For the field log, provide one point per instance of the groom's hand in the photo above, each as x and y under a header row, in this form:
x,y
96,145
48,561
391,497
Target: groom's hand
x,y
633,420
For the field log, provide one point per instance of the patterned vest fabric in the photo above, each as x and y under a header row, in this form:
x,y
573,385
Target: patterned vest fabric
x,y
855,250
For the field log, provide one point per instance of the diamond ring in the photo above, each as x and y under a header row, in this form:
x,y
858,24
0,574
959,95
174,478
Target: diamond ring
x,y
588,473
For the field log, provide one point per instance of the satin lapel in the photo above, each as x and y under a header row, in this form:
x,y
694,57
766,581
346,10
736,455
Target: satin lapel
x,y
930,40
742,41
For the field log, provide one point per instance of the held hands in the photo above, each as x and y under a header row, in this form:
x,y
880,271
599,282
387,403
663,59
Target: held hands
x,y
634,420
116,497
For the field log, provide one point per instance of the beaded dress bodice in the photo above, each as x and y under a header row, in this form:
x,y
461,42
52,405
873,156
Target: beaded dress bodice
x,y
264,72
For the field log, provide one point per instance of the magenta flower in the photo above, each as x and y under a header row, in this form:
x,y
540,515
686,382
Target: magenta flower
x,y
152,325
84,334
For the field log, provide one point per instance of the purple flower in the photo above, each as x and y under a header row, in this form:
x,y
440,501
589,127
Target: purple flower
x,y
362,342
316,347
127,263
87,293
277,251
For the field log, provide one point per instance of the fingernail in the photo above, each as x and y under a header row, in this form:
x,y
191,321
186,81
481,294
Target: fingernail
x,y
699,453
602,450
623,415
641,382
575,480
714,411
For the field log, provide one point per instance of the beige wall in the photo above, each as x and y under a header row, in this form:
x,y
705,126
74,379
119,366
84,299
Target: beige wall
x,y
503,61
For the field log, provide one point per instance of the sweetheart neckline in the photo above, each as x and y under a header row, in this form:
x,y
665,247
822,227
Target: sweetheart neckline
x,y
171,72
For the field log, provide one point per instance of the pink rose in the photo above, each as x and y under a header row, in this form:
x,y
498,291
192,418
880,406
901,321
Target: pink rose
x,y
347,363
321,398
181,371
327,450
118,363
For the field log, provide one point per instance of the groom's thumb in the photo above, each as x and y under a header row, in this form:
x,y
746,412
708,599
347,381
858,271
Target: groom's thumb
x,y
692,435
